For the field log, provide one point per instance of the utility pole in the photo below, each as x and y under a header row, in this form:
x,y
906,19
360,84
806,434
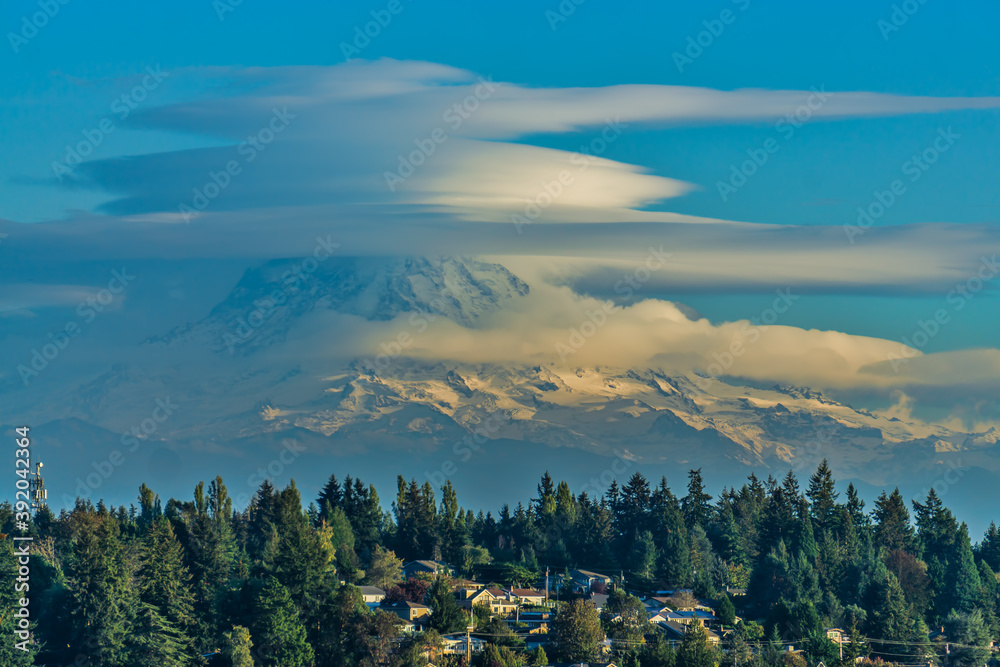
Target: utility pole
x,y
468,639
546,585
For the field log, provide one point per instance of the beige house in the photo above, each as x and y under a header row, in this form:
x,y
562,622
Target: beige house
x,y
493,599
527,596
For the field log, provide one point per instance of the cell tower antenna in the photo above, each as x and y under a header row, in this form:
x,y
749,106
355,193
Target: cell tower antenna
x,y
36,488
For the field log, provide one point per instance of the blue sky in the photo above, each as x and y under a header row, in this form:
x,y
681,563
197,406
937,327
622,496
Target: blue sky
x,y
64,81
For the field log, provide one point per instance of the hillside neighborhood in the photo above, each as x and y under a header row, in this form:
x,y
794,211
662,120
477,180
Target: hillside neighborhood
x,y
766,575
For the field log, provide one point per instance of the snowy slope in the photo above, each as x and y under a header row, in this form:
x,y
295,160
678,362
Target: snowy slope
x,y
269,300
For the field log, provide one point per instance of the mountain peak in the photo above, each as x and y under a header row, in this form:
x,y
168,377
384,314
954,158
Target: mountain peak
x,y
268,300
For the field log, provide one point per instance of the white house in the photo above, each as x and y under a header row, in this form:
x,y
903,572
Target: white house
x,y
373,595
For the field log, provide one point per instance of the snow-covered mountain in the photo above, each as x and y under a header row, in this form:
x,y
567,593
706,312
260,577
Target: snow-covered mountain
x,y
270,299
643,414
233,405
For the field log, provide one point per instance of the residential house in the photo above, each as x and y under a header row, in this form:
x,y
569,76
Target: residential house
x,y
468,592
535,621
469,598
598,600
372,595
526,596
409,611
675,631
501,605
463,584
707,617
493,598
583,580
656,603
417,567
459,643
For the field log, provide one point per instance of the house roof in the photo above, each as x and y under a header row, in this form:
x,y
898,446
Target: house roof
x,y
371,590
406,604
599,599
526,592
589,574
480,592
431,565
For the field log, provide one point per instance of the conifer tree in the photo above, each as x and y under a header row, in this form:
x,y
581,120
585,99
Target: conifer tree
x,y
855,648
277,629
822,499
695,650
331,496
156,642
892,522
101,600
966,583
238,646
989,548
695,505
164,586
446,616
